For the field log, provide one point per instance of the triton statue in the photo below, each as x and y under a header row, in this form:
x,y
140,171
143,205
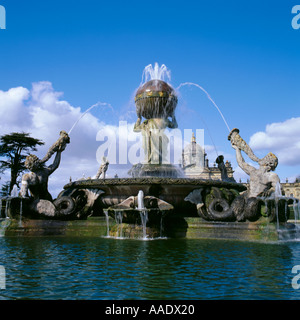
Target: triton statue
x,y
263,181
37,180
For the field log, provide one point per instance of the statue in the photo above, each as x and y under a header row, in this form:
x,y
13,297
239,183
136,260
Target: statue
x,y
103,168
156,101
59,145
155,141
263,181
37,180
223,169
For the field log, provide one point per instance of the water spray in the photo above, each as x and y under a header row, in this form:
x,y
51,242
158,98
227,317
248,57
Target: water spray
x,y
89,109
208,96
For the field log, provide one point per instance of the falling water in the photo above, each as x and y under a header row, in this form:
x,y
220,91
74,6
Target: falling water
x,y
161,227
141,200
14,191
107,222
277,213
0,208
89,109
144,220
286,210
21,213
208,96
7,206
143,213
278,192
119,219
162,73
296,209
277,196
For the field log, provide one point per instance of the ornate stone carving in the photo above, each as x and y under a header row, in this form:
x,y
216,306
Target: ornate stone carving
x,y
156,102
59,145
35,183
263,181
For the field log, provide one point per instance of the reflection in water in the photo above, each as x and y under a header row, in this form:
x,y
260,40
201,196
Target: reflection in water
x,y
97,268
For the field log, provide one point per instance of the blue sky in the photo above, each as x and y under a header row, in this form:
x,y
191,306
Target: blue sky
x,y
244,53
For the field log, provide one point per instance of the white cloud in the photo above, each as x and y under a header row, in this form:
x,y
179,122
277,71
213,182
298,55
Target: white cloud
x,y
282,138
41,112
12,105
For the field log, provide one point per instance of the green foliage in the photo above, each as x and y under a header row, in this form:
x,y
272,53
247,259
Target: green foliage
x,y
4,192
14,148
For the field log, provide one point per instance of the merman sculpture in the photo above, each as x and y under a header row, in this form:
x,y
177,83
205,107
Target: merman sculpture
x,y
257,201
35,184
37,180
263,181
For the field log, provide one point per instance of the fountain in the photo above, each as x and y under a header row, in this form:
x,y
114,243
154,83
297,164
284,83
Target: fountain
x,y
157,200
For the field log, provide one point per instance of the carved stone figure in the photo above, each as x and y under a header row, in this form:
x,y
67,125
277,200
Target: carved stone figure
x,y
235,139
223,169
59,145
155,141
103,168
156,101
37,180
263,181
226,204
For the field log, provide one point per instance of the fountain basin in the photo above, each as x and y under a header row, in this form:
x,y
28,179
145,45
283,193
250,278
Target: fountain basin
x,y
188,228
149,170
171,190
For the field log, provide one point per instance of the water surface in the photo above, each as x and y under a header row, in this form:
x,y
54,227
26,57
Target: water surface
x,y
100,268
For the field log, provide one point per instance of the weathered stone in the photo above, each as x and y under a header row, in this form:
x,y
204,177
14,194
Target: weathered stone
x,y
36,182
43,208
263,181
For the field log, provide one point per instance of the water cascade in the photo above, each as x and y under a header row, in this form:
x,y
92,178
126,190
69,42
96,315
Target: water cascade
x,y
296,210
14,192
143,213
278,192
7,207
107,222
119,221
21,212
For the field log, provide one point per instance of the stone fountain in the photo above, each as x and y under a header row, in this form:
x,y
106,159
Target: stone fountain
x,y
157,200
